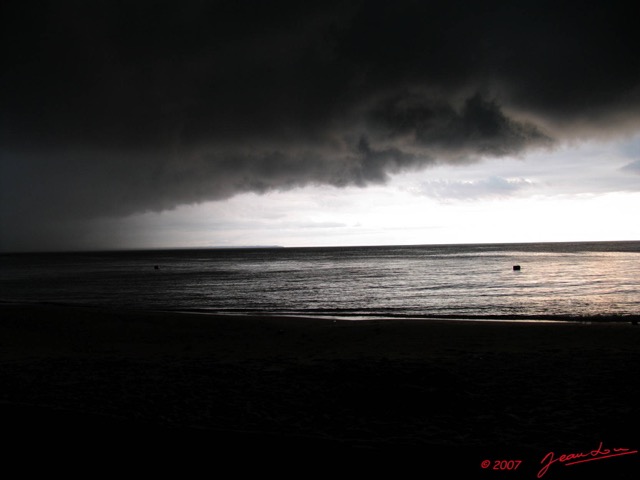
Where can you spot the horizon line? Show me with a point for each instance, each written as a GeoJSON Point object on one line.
{"type": "Point", "coordinates": [282, 247]}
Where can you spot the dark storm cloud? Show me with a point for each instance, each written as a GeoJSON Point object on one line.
{"type": "Point", "coordinates": [477, 128]}
{"type": "Point", "coordinates": [114, 107]}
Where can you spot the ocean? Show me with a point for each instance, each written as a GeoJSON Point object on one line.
{"type": "Point", "coordinates": [581, 281]}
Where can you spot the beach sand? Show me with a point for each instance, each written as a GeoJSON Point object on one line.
{"type": "Point", "coordinates": [156, 390]}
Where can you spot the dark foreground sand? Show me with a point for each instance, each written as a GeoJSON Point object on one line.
{"type": "Point", "coordinates": [90, 388]}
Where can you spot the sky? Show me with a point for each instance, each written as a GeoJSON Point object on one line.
{"type": "Point", "coordinates": [136, 124]}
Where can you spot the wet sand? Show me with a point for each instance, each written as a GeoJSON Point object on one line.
{"type": "Point", "coordinates": [175, 390]}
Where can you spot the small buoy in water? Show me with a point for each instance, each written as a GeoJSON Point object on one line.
{"type": "Point", "coordinates": [516, 268]}
{"type": "Point", "coordinates": [156, 267]}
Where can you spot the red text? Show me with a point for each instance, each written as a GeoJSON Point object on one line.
{"type": "Point", "coordinates": [581, 457]}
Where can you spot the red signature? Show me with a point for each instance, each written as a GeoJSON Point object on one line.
{"type": "Point", "coordinates": [581, 457]}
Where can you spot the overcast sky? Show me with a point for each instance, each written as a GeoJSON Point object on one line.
{"type": "Point", "coordinates": [132, 124]}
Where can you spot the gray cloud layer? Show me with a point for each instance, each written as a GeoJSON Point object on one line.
{"type": "Point", "coordinates": [112, 108]}
{"type": "Point", "coordinates": [492, 187]}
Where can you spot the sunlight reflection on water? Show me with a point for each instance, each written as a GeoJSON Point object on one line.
{"type": "Point", "coordinates": [555, 279]}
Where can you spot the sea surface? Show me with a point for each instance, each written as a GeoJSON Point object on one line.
{"type": "Point", "coordinates": [595, 280]}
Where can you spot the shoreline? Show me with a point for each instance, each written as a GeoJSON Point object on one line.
{"type": "Point", "coordinates": [497, 318]}
{"type": "Point", "coordinates": [596, 319]}
{"type": "Point", "coordinates": [262, 385]}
